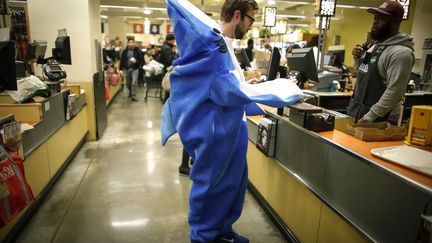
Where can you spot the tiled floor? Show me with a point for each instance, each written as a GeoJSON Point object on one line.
{"type": "Point", "coordinates": [126, 188]}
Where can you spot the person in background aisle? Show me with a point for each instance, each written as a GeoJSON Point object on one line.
{"type": "Point", "coordinates": [167, 55]}
{"type": "Point", "coordinates": [130, 62]}
{"type": "Point", "coordinates": [149, 55]}
{"type": "Point", "coordinates": [249, 50]}
{"type": "Point", "coordinates": [384, 69]}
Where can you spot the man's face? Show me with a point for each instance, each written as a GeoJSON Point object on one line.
{"type": "Point", "coordinates": [244, 25]}
{"type": "Point", "coordinates": [130, 44]}
{"type": "Point", "coordinates": [381, 26]}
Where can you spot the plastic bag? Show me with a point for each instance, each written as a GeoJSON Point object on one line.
{"type": "Point", "coordinates": [28, 87]}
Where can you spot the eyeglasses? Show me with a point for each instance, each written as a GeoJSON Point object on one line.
{"type": "Point", "coordinates": [251, 19]}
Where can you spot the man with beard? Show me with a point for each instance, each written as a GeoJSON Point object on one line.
{"type": "Point", "coordinates": [207, 106]}
{"type": "Point", "coordinates": [384, 69]}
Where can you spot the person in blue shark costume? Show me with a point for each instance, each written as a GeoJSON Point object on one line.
{"type": "Point", "coordinates": [207, 107]}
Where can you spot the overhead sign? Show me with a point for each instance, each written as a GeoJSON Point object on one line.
{"type": "Point", "coordinates": [326, 8]}
{"type": "Point", "coordinates": [406, 5]}
{"type": "Point", "coordinates": [270, 16]}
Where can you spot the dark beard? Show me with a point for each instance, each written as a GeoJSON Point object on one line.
{"type": "Point", "coordinates": [238, 32]}
{"type": "Point", "coordinates": [383, 33]}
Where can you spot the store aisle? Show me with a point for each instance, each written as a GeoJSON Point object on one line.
{"type": "Point", "coordinates": [126, 188]}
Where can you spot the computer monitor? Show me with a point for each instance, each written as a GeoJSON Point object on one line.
{"type": "Point", "coordinates": [329, 59]}
{"type": "Point", "coordinates": [274, 67]}
{"type": "Point", "coordinates": [7, 66]}
{"type": "Point", "coordinates": [303, 61]}
{"type": "Point", "coordinates": [242, 58]}
{"type": "Point", "coordinates": [36, 51]}
{"type": "Point", "coordinates": [62, 50]}
{"type": "Point", "coordinates": [339, 57]}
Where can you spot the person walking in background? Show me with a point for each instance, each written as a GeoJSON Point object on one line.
{"type": "Point", "coordinates": [249, 50]}
{"type": "Point", "coordinates": [167, 55]}
{"type": "Point", "coordinates": [130, 62]}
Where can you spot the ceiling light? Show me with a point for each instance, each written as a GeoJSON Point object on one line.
{"type": "Point", "coordinates": [104, 16]}
{"type": "Point", "coordinates": [345, 6]}
{"type": "Point", "coordinates": [157, 9]}
{"type": "Point", "coordinates": [291, 16]}
{"type": "Point", "coordinates": [271, 2]}
{"type": "Point", "coordinates": [147, 11]}
{"type": "Point", "coordinates": [115, 6]}
{"type": "Point", "coordinates": [134, 17]}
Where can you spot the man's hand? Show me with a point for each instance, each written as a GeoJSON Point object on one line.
{"type": "Point", "coordinates": [357, 52]}
{"type": "Point", "coordinates": [362, 120]}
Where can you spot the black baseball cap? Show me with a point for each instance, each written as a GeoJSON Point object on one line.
{"type": "Point", "coordinates": [169, 37]}
{"type": "Point", "coordinates": [390, 8]}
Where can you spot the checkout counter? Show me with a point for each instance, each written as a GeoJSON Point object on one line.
{"type": "Point", "coordinates": [59, 130]}
{"type": "Point", "coordinates": [328, 187]}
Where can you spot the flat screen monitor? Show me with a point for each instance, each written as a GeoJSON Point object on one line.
{"type": "Point", "coordinates": [303, 61]}
{"type": "Point", "coordinates": [274, 68]}
{"type": "Point", "coordinates": [7, 66]}
{"type": "Point", "coordinates": [36, 51]}
{"type": "Point", "coordinates": [329, 59]}
{"type": "Point", "coordinates": [62, 50]}
{"type": "Point", "coordinates": [338, 56]}
{"type": "Point", "coordinates": [242, 58]}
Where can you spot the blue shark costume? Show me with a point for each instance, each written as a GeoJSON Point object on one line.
{"type": "Point", "coordinates": [207, 107]}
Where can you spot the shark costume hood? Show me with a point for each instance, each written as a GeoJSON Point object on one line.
{"type": "Point", "coordinates": [207, 104]}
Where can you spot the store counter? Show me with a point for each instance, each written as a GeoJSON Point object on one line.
{"type": "Point", "coordinates": [48, 149]}
{"type": "Point", "coordinates": [327, 187]}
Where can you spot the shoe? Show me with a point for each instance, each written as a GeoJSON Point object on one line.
{"type": "Point", "coordinates": [134, 99]}
{"type": "Point", "coordinates": [231, 237]}
{"type": "Point", "coordinates": [184, 171]}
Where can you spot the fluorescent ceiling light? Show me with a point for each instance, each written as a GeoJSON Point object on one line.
{"type": "Point", "coordinates": [147, 11]}
{"type": "Point", "coordinates": [104, 16]}
{"type": "Point", "coordinates": [133, 17]}
{"type": "Point", "coordinates": [115, 6]}
{"type": "Point", "coordinates": [291, 16]}
{"type": "Point", "coordinates": [157, 9]}
{"type": "Point", "coordinates": [271, 2]}
{"type": "Point", "coordinates": [345, 6]}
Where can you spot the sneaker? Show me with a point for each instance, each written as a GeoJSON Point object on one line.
{"type": "Point", "coordinates": [134, 99]}
{"type": "Point", "coordinates": [231, 237]}
{"type": "Point", "coordinates": [184, 171]}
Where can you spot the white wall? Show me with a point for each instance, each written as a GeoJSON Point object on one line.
{"type": "Point", "coordinates": [421, 26]}
{"type": "Point", "coordinates": [116, 27]}
{"type": "Point", "coordinates": [78, 17]}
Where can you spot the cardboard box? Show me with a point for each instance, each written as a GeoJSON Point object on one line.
{"type": "Point", "coordinates": [377, 131]}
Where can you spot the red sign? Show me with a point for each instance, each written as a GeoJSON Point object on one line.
{"type": "Point", "coordinates": [138, 28]}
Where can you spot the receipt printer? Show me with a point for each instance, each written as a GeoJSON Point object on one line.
{"type": "Point", "coordinates": [311, 117]}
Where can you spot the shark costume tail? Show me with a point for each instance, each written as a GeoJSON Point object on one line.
{"type": "Point", "coordinates": [206, 108]}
